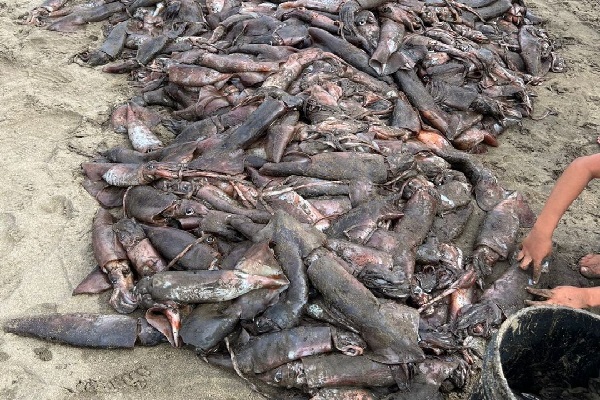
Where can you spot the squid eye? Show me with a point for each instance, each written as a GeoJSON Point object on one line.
{"type": "Point", "coordinates": [278, 376]}
{"type": "Point", "coordinates": [189, 211]}
{"type": "Point", "coordinates": [210, 240]}
{"type": "Point", "coordinates": [185, 186]}
{"type": "Point", "coordinates": [362, 22]}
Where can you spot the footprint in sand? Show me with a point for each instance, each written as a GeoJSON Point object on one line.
{"type": "Point", "coordinates": [10, 234]}
{"type": "Point", "coordinates": [60, 205]}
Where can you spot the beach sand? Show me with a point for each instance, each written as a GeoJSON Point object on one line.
{"type": "Point", "coordinates": [53, 117]}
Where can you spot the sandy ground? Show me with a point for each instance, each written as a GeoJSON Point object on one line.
{"type": "Point", "coordinates": [53, 117]}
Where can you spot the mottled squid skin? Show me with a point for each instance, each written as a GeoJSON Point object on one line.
{"type": "Point", "coordinates": [108, 196]}
{"type": "Point", "coordinates": [358, 224]}
{"type": "Point", "coordinates": [111, 47]}
{"type": "Point", "coordinates": [497, 236]}
{"type": "Point", "coordinates": [293, 241]}
{"type": "Point", "coordinates": [259, 259]}
{"type": "Point", "coordinates": [344, 394]}
{"type": "Point", "coordinates": [390, 40]}
{"type": "Point", "coordinates": [152, 206]}
{"type": "Point", "coordinates": [198, 130]}
{"type": "Point", "coordinates": [532, 50]}
{"type": "Point", "coordinates": [405, 116]}
{"type": "Point", "coordinates": [112, 259]}
{"type": "Point", "coordinates": [172, 242]}
{"type": "Point", "coordinates": [429, 376]}
{"type": "Point", "coordinates": [299, 208]}
{"type": "Point", "coordinates": [223, 202]}
{"type": "Point", "coordinates": [82, 16]}
{"type": "Point", "coordinates": [493, 9]}
{"type": "Point", "coordinates": [264, 51]}
{"type": "Point", "coordinates": [202, 286]}
{"type": "Point", "coordinates": [148, 49]}
{"type": "Point", "coordinates": [208, 324]}
{"type": "Point", "coordinates": [87, 330]}
{"type": "Point", "coordinates": [353, 55]}
{"type": "Point", "coordinates": [235, 63]}
{"type": "Point", "coordinates": [331, 166]}
{"type": "Point", "coordinates": [194, 75]}
{"type": "Point", "coordinates": [313, 18]}
{"type": "Point", "coordinates": [411, 230]}
{"type": "Point", "coordinates": [317, 309]}
{"type": "Point", "coordinates": [280, 134]}
{"type": "Point", "coordinates": [420, 98]}
{"type": "Point", "coordinates": [503, 298]}
{"type": "Point", "coordinates": [144, 257]}
{"type": "Point", "coordinates": [359, 255]}
{"type": "Point", "coordinates": [330, 6]}
{"type": "Point", "coordinates": [456, 97]}
{"type": "Point", "coordinates": [390, 329]}
{"type": "Point", "coordinates": [488, 191]}
{"type": "Point", "coordinates": [270, 350]}
{"type": "Point", "coordinates": [141, 137]}
{"type": "Point", "coordinates": [331, 371]}
{"type": "Point", "coordinates": [125, 175]}
{"type": "Point", "coordinates": [226, 157]}
{"type": "Point", "coordinates": [255, 126]}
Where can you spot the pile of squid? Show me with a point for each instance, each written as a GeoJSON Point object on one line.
{"type": "Point", "coordinates": [298, 178]}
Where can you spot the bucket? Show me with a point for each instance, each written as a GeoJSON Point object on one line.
{"type": "Point", "coordinates": [537, 348]}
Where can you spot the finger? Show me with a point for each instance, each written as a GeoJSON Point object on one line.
{"type": "Point", "coordinates": [535, 303]}
{"type": "Point", "coordinates": [525, 262]}
{"type": "Point", "coordinates": [547, 293]}
{"type": "Point", "coordinates": [520, 255]}
{"type": "Point", "coordinates": [537, 271]}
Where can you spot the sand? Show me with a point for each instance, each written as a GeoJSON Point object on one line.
{"type": "Point", "coordinates": [53, 116]}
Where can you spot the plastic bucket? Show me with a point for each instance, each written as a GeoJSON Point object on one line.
{"type": "Point", "coordinates": [537, 347]}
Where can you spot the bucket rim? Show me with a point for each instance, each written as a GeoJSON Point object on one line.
{"type": "Point", "coordinates": [508, 322]}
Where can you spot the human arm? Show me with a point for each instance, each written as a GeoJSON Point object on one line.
{"type": "Point", "coordinates": [538, 243]}
{"type": "Point", "coordinates": [568, 296]}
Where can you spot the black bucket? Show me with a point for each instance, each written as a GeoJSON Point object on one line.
{"type": "Point", "coordinates": [537, 347]}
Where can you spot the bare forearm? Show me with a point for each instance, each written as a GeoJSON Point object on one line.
{"type": "Point", "coordinates": [570, 184]}
{"type": "Point", "coordinates": [592, 296]}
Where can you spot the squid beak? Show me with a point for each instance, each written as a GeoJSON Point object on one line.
{"type": "Point", "coordinates": [167, 320]}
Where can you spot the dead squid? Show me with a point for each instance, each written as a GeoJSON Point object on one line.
{"type": "Point", "coordinates": [503, 298]}
{"type": "Point", "coordinates": [152, 206]}
{"type": "Point", "coordinates": [293, 242]}
{"type": "Point", "coordinates": [270, 350]}
{"type": "Point", "coordinates": [389, 328]}
{"type": "Point", "coordinates": [111, 48]}
{"type": "Point", "coordinates": [183, 249]}
{"type": "Point", "coordinates": [141, 137]}
{"type": "Point", "coordinates": [112, 259]}
{"type": "Point", "coordinates": [201, 286]}
{"type": "Point", "coordinates": [332, 166]}
{"type": "Point", "coordinates": [87, 330]}
{"type": "Point", "coordinates": [144, 257]}
{"type": "Point", "coordinates": [498, 233]}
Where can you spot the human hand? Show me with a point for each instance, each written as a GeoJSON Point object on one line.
{"type": "Point", "coordinates": [569, 296]}
{"type": "Point", "coordinates": [534, 248]}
